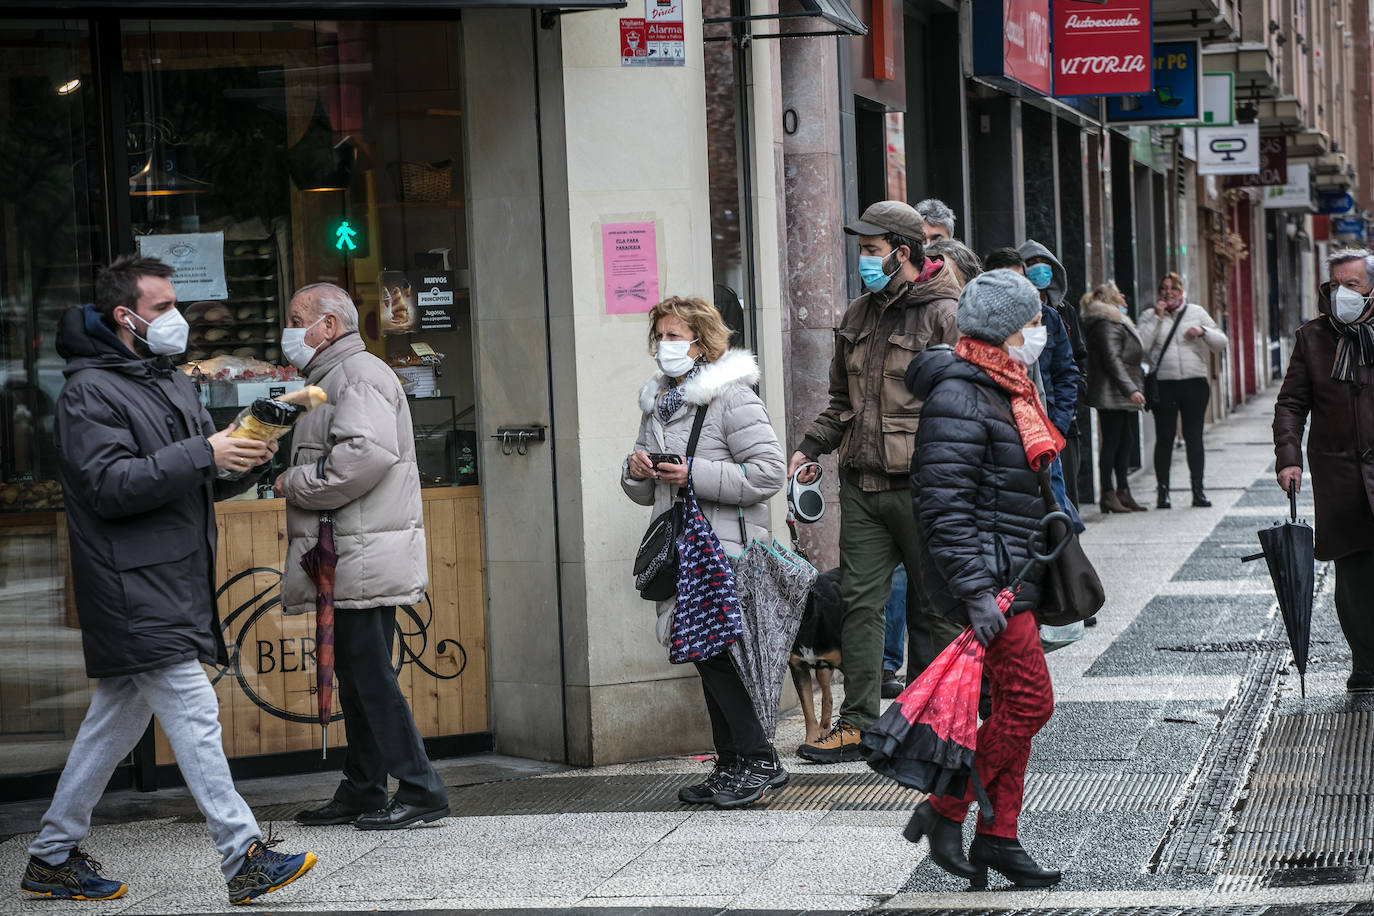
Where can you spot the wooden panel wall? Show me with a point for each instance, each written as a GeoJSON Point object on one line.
{"type": "Point", "coordinates": [441, 646]}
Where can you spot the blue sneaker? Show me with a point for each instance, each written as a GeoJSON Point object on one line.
{"type": "Point", "coordinates": [77, 878]}
{"type": "Point", "coordinates": [264, 871]}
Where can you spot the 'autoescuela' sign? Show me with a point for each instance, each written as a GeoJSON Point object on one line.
{"type": "Point", "coordinates": [1102, 48]}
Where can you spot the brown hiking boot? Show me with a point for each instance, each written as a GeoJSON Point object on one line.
{"type": "Point", "coordinates": [839, 745]}
{"type": "Point", "coordinates": [1127, 500]}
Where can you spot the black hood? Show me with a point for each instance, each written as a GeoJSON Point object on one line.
{"type": "Point", "coordinates": [86, 342]}
{"type": "Point", "coordinates": [934, 365]}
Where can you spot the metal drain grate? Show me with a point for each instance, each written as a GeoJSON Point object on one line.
{"type": "Point", "coordinates": [1243, 645]}
{"type": "Point", "coordinates": [586, 794]}
{"type": "Point", "coordinates": [805, 792]}
{"type": "Point", "coordinates": [1310, 806]}
{"type": "Point", "coordinates": [1252, 910]}
{"type": "Point", "coordinates": [1197, 832]}
{"type": "Point", "coordinates": [1101, 791]}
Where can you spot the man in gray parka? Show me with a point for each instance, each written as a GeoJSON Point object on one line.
{"type": "Point", "coordinates": [354, 458]}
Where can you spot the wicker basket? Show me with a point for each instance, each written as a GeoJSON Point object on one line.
{"type": "Point", "coordinates": [424, 180]}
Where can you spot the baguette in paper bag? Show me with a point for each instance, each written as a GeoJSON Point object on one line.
{"type": "Point", "coordinates": [267, 419]}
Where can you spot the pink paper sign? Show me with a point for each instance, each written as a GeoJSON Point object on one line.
{"type": "Point", "coordinates": [629, 258]}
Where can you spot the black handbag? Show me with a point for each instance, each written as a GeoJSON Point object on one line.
{"type": "Point", "coordinates": [1151, 391]}
{"type": "Point", "coordinates": [655, 568]}
{"type": "Point", "coordinates": [1071, 589]}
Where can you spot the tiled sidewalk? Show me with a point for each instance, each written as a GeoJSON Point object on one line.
{"type": "Point", "coordinates": [1159, 685]}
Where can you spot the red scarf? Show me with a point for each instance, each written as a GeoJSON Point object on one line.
{"type": "Point", "coordinates": [1039, 437]}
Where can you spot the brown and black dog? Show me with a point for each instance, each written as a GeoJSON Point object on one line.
{"type": "Point", "coordinates": [817, 648]}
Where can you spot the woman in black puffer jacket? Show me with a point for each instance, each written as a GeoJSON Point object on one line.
{"type": "Point", "coordinates": [982, 437]}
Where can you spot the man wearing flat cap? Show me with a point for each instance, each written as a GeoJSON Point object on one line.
{"type": "Point", "coordinates": [909, 304]}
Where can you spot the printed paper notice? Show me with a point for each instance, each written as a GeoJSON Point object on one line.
{"type": "Point", "coordinates": [629, 257]}
{"type": "Point", "coordinates": [197, 258]}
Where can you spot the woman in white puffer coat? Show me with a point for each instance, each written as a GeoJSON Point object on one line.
{"type": "Point", "coordinates": [738, 465]}
{"type": "Point", "coordinates": [1184, 387]}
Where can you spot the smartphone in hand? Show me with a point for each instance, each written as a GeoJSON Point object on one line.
{"type": "Point", "coordinates": [657, 458]}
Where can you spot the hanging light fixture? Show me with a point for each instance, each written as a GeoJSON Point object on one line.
{"type": "Point", "coordinates": [316, 162]}
{"type": "Point", "coordinates": [160, 176]}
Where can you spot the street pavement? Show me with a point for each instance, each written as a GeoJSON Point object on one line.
{"type": "Point", "coordinates": [1182, 772]}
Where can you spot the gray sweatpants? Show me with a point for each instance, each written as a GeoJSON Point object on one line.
{"type": "Point", "coordinates": [185, 704]}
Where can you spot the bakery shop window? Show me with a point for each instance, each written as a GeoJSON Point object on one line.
{"type": "Point", "coordinates": [47, 240]}
{"type": "Point", "coordinates": [265, 156]}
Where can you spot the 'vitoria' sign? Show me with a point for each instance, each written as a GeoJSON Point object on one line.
{"type": "Point", "coordinates": [1102, 47]}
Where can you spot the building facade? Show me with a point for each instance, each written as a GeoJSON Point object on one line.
{"type": "Point", "coordinates": [506, 191]}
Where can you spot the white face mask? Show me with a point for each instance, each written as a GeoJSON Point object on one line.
{"type": "Point", "coordinates": [1034, 344]}
{"type": "Point", "coordinates": [1348, 304]}
{"type": "Point", "coordinates": [294, 348]}
{"type": "Point", "coordinates": [672, 357]}
{"type": "Point", "coordinates": [167, 333]}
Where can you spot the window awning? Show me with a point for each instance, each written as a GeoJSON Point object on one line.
{"type": "Point", "coordinates": [838, 14]}
{"type": "Point", "coordinates": [833, 12]}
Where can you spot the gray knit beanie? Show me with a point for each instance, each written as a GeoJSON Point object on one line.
{"type": "Point", "coordinates": [995, 305]}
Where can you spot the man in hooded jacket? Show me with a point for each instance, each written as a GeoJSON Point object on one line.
{"type": "Point", "coordinates": [1328, 378]}
{"type": "Point", "coordinates": [141, 464]}
{"type": "Point", "coordinates": [1066, 340]}
{"type": "Point", "coordinates": [871, 421]}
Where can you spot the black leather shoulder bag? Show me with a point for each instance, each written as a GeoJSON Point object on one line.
{"type": "Point", "coordinates": [655, 568]}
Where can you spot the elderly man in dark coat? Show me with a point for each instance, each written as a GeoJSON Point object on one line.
{"type": "Point", "coordinates": [141, 465]}
{"type": "Point", "coordinates": [1331, 377]}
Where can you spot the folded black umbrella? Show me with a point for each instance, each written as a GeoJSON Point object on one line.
{"type": "Point", "coordinates": [1289, 549]}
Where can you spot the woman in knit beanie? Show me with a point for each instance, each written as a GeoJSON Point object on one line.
{"type": "Point", "coordinates": [982, 445]}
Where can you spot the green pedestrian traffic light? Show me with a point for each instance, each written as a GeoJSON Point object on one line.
{"type": "Point", "coordinates": [344, 237]}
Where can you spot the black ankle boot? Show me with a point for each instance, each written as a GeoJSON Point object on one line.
{"type": "Point", "coordinates": [946, 840]}
{"type": "Point", "coordinates": [1200, 499]}
{"type": "Point", "coordinates": [1162, 501]}
{"type": "Point", "coordinates": [1006, 857]}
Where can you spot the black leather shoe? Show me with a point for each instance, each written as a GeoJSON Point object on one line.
{"type": "Point", "coordinates": [892, 685]}
{"type": "Point", "coordinates": [398, 814]}
{"type": "Point", "coordinates": [946, 840]}
{"type": "Point", "coordinates": [1006, 857]}
{"type": "Point", "coordinates": [334, 812]}
{"type": "Point", "coordinates": [1162, 498]}
{"type": "Point", "coordinates": [1200, 500]}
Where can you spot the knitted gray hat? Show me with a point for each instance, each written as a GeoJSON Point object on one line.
{"type": "Point", "coordinates": [995, 305]}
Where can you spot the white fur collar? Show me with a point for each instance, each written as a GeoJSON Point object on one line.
{"type": "Point", "coordinates": [735, 367]}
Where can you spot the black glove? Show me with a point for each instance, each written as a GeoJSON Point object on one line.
{"type": "Point", "coordinates": [985, 618]}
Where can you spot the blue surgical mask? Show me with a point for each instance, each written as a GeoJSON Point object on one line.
{"type": "Point", "coordinates": [1125, 311]}
{"type": "Point", "coordinates": [871, 271]}
{"type": "Point", "coordinates": [1040, 275]}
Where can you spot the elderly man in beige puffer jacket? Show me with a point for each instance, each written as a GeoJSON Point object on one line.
{"type": "Point", "coordinates": [354, 457]}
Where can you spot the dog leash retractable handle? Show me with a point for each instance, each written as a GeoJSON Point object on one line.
{"type": "Point", "coordinates": [804, 500]}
